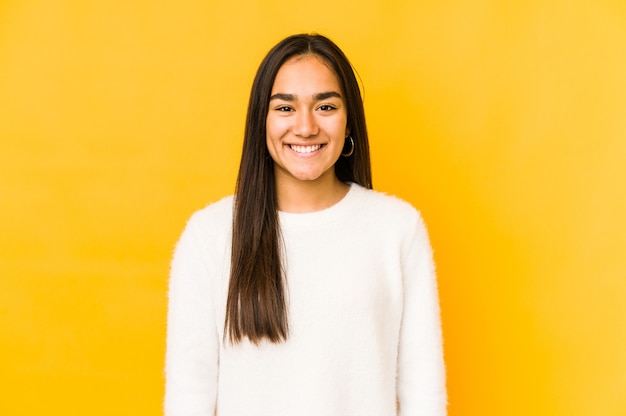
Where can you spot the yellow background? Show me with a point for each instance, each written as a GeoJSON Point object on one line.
{"type": "Point", "coordinates": [503, 121]}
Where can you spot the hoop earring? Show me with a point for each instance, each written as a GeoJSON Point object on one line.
{"type": "Point", "coordinates": [351, 149]}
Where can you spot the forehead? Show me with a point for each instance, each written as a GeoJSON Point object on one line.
{"type": "Point", "coordinates": [306, 72]}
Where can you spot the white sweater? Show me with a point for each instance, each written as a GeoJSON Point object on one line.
{"type": "Point", "coordinates": [363, 318]}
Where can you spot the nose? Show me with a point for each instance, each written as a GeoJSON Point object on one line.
{"type": "Point", "coordinates": [305, 124]}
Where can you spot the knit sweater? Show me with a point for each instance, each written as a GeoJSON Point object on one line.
{"type": "Point", "coordinates": [364, 325]}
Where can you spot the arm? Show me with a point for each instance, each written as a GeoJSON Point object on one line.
{"type": "Point", "coordinates": [192, 341]}
{"type": "Point", "coordinates": [421, 374]}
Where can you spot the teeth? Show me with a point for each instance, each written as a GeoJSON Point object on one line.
{"type": "Point", "coordinates": [305, 149]}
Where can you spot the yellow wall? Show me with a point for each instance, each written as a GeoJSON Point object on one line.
{"type": "Point", "coordinates": [505, 122]}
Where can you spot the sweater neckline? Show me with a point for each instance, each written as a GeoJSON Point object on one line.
{"type": "Point", "coordinates": [315, 218]}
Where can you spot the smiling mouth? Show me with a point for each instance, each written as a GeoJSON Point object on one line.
{"type": "Point", "coordinates": [305, 149]}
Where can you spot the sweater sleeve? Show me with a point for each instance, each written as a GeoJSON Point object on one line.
{"type": "Point", "coordinates": [191, 364]}
{"type": "Point", "coordinates": [421, 374]}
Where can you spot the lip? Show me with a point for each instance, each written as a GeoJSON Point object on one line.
{"type": "Point", "coordinates": [305, 149]}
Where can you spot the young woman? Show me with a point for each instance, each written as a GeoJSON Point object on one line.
{"type": "Point", "coordinates": [307, 293]}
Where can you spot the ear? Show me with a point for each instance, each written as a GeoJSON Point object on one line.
{"type": "Point", "coordinates": [347, 131]}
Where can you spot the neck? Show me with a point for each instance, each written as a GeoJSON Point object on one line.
{"type": "Point", "coordinates": [309, 196]}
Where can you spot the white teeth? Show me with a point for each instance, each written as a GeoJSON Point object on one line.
{"type": "Point", "coordinates": [305, 149]}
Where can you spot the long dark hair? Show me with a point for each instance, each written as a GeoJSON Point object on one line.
{"type": "Point", "coordinates": [256, 305]}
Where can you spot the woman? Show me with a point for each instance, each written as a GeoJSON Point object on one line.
{"type": "Point", "coordinates": [307, 293]}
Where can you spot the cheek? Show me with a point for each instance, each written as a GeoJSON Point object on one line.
{"type": "Point", "coordinates": [274, 127]}
{"type": "Point", "coordinates": [270, 145]}
{"type": "Point", "coordinates": [339, 127]}
{"type": "Point", "coordinates": [273, 135]}
{"type": "Point", "coordinates": [268, 126]}
{"type": "Point", "coordinates": [341, 123]}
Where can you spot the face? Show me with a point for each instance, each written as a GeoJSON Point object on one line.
{"type": "Point", "coordinates": [306, 121]}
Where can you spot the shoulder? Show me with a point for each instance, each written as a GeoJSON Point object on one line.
{"type": "Point", "coordinates": [382, 205]}
{"type": "Point", "coordinates": [216, 216]}
{"type": "Point", "coordinates": [390, 216]}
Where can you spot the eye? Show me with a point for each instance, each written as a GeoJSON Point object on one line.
{"type": "Point", "coordinates": [326, 107]}
{"type": "Point", "coordinates": [283, 108]}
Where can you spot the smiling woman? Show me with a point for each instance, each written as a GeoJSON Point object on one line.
{"type": "Point", "coordinates": [307, 293]}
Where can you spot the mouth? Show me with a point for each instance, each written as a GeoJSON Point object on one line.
{"type": "Point", "coordinates": [305, 149]}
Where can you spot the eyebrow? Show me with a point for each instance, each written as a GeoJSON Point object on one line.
{"type": "Point", "coordinates": [292, 97]}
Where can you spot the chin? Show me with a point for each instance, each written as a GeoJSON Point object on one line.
{"type": "Point", "coordinates": [307, 175]}
{"type": "Point", "coordinates": [307, 178]}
